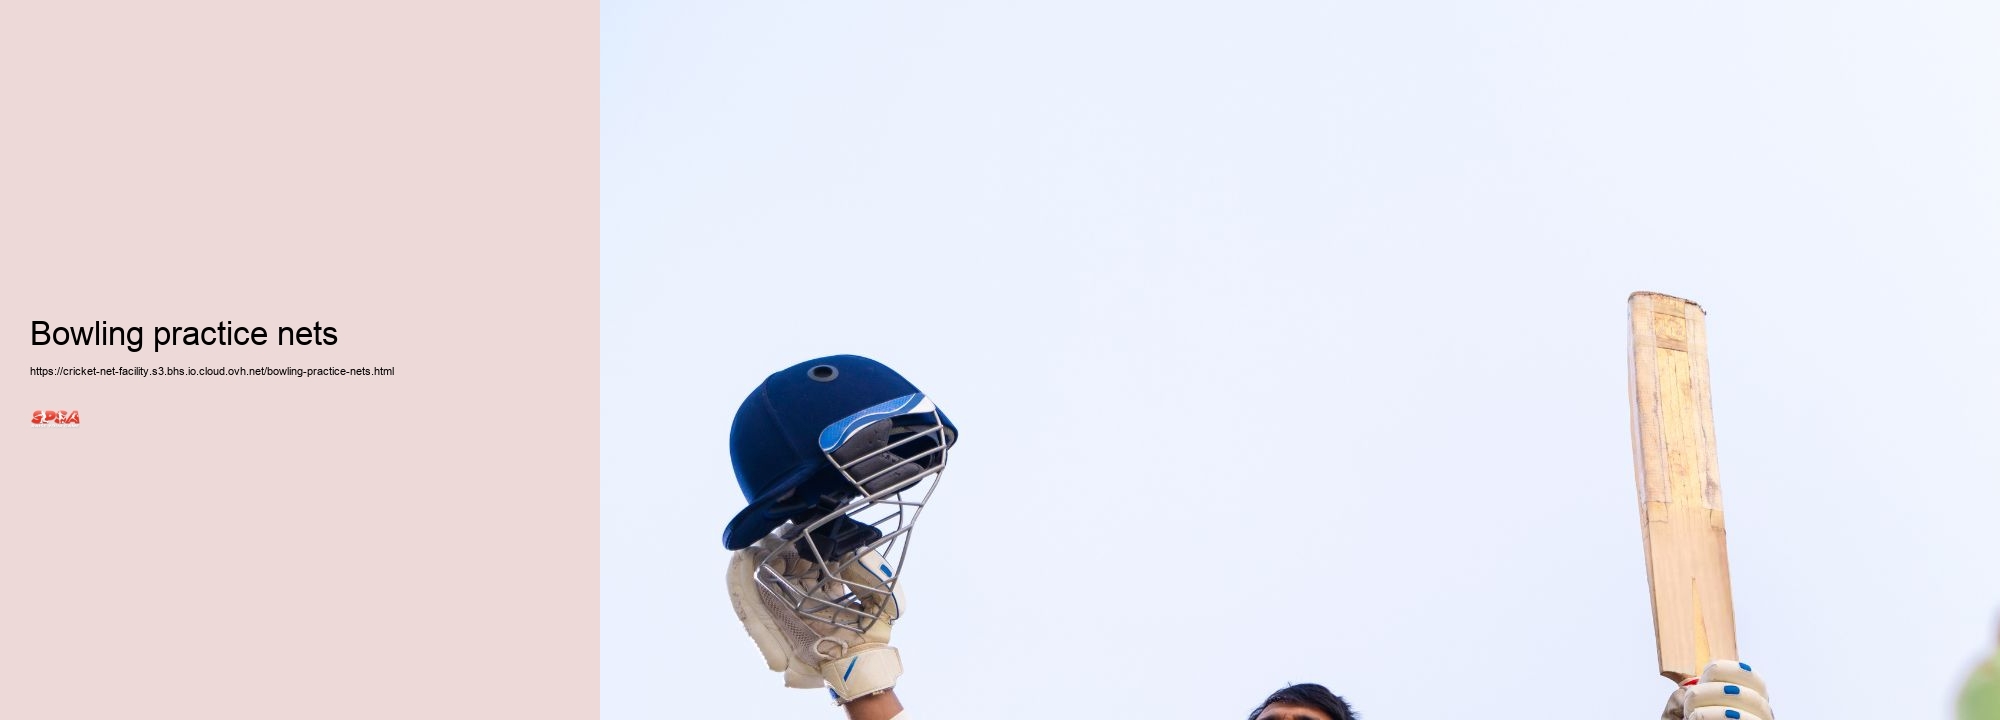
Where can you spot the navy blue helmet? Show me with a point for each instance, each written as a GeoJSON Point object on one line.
{"type": "Point", "coordinates": [815, 437]}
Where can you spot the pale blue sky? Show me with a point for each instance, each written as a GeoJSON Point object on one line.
{"type": "Point", "coordinates": [1287, 339]}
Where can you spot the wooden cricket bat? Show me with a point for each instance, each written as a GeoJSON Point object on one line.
{"type": "Point", "coordinates": [1680, 488]}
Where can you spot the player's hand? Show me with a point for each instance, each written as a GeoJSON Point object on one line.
{"type": "Point", "coordinates": [808, 651]}
{"type": "Point", "coordinates": [1726, 690]}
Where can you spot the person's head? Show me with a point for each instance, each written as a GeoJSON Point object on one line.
{"type": "Point", "coordinates": [1305, 701]}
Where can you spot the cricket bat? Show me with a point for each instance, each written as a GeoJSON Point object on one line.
{"type": "Point", "coordinates": [1680, 488]}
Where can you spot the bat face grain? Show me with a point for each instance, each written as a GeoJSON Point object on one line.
{"type": "Point", "coordinates": [1680, 487]}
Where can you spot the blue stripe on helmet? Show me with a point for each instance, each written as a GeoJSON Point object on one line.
{"type": "Point", "coordinates": [838, 433]}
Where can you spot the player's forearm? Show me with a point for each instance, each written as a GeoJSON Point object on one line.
{"type": "Point", "coordinates": [883, 706]}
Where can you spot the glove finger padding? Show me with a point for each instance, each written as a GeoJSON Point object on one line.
{"type": "Point", "coordinates": [1730, 684]}
{"type": "Point", "coordinates": [749, 602]}
{"type": "Point", "coordinates": [777, 631]}
{"type": "Point", "coordinates": [1727, 695]}
{"type": "Point", "coordinates": [867, 579]}
{"type": "Point", "coordinates": [1726, 690]}
{"type": "Point", "coordinates": [800, 635]}
{"type": "Point", "coordinates": [1734, 672]}
{"type": "Point", "coordinates": [1716, 713]}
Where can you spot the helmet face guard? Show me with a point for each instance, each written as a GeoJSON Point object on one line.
{"type": "Point", "coordinates": [838, 561]}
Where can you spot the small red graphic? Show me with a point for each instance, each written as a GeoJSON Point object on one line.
{"type": "Point", "coordinates": [56, 417]}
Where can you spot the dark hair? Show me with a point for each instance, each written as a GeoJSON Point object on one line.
{"type": "Point", "coordinates": [1310, 695]}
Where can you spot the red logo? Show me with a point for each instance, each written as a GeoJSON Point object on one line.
{"type": "Point", "coordinates": [56, 417]}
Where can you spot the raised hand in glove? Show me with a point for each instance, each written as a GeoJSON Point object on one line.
{"type": "Point", "coordinates": [1726, 690]}
{"type": "Point", "coordinates": [810, 651]}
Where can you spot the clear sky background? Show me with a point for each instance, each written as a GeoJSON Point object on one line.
{"type": "Point", "coordinates": [1287, 339]}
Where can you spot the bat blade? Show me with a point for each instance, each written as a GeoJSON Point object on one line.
{"type": "Point", "coordinates": [1680, 487]}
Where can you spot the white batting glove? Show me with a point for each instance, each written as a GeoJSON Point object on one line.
{"type": "Point", "coordinates": [1726, 690]}
{"type": "Point", "coordinates": [812, 653]}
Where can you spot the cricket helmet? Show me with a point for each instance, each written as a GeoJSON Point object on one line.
{"type": "Point", "coordinates": [836, 457]}
{"type": "Point", "coordinates": [800, 441]}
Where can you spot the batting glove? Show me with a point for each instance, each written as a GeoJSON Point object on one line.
{"type": "Point", "coordinates": [809, 652]}
{"type": "Point", "coordinates": [1726, 690]}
